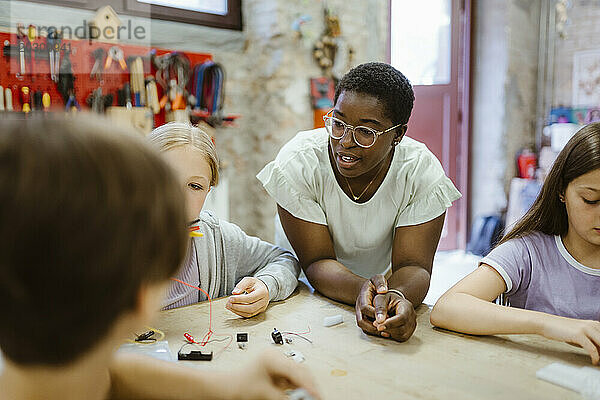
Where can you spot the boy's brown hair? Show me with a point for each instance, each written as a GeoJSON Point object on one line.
{"type": "Point", "coordinates": [87, 217]}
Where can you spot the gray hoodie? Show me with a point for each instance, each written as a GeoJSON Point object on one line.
{"type": "Point", "coordinates": [224, 255]}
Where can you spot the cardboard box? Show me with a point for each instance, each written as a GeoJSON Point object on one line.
{"type": "Point", "coordinates": [139, 118]}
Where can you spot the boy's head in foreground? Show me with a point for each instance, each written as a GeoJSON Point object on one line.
{"type": "Point", "coordinates": [92, 226]}
{"type": "Point", "coordinates": [192, 155]}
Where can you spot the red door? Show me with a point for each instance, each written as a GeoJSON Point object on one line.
{"type": "Point", "coordinates": [430, 44]}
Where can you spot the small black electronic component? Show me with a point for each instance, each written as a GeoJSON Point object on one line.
{"type": "Point", "coordinates": [276, 335]}
{"type": "Point", "coordinates": [195, 355]}
{"type": "Point", "coordinates": [146, 336]}
{"type": "Point", "coordinates": [242, 340]}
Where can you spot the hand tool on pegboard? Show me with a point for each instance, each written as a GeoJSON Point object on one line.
{"type": "Point", "coordinates": [24, 50]}
{"type": "Point", "coordinates": [115, 53]}
{"type": "Point", "coordinates": [8, 104]}
{"type": "Point", "coordinates": [80, 54]}
{"type": "Point", "coordinates": [172, 74]}
{"type": "Point", "coordinates": [25, 99]}
{"type": "Point", "coordinates": [53, 43]}
{"type": "Point", "coordinates": [66, 83]}
{"type": "Point", "coordinates": [98, 102]}
{"type": "Point", "coordinates": [99, 54]}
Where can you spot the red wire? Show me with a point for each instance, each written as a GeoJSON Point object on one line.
{"type": "Point", "coordinates": [225, 348]}
{"type": "Point", "coordinates": [210, 332]}
{"type": "Point", "coordinates": [208, 335]}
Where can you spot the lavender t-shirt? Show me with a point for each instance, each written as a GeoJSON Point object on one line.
{"type": "Point", "coordinates": [541, 275]}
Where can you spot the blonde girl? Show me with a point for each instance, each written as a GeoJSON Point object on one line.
{"type": "Point", "coordinates": [224, 260]}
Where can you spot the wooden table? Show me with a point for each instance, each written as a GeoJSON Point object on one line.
{"type": "Point", "coordinates": [348, 364]}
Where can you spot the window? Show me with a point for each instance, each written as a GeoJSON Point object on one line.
{"type": "Point", "coordinates": [226, 14]}
{"type": "Point", "coordinates": [218, 7]}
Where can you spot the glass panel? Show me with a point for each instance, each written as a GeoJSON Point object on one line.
{"type": "Point", "coordinates": [420, 40]}
{"type": "Point", "coordinates": [206, 6]}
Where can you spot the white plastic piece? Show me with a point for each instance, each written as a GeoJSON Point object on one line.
{"type": "Point", "coordinates": [591, 383]}
{"type": "Point", "coordinates": [1, 98]}
{"type": "Point", "coordinates": [333, 320]}
{"type": "Point", "coordinates": [584, 380]}
{"type": "Point", "coordinates": [560, 134]}
{"type": "Point", "coordinates": [242, 345]}
{"type": "Point", "coordinates": [295, 355]}
{"type": "Point", "coordinates": [298, 394]}
{"type": "Point", "coordinates": [158, 349]}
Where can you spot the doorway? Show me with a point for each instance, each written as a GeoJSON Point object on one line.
{"type": "Point", "coordinates": [430, 43]}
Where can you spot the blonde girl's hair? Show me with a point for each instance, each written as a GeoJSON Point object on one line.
{"type": "Point", "coordinates": [176, 134]}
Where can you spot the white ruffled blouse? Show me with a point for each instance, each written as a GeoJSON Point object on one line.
{"type": "Point", "coordinates": [415, 190]}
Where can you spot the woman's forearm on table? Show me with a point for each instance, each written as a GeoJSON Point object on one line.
{"type": "Point", "coordinates": [412, 281]}
{"type": "Point", "coordinates": [334, 280]}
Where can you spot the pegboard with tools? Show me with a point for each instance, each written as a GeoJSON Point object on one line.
{"type": "Point", "coordinates": [68, 72]}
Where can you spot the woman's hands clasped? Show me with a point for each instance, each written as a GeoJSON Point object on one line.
{"type": "Point", "coordinates": [383, 313]}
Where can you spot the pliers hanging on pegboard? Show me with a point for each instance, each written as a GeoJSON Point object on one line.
{"type": "Point", "coordinates": [115, 53]}
{"type": "Point", "coordinates": [72, 103]}
{"type": "Point", "coordinates": [66, 83]}
{"type": "Point", "coordinates": [98, 55]}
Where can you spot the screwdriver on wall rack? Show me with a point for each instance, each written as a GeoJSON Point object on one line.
{"type": "Point", "coordinates": [26, 99]}
{"type": "Point", "coordinates": [8, 99]}
{"type": "Point", "coordinates": [46, 101]}
{"type": "Point", "coordinates": [53, 44]}
{"type": "Point", "coordinates": [21, 36]}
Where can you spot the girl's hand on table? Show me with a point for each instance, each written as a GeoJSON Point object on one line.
{"type": "Point", "coordinates": [577, 332]}
{"type": "Point", "coordinates": [249, 297]}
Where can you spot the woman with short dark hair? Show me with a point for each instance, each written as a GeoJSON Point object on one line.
{"type": "Point", "coordinates": [358, 196]}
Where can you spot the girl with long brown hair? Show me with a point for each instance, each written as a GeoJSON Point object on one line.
{"type": "Point", "coordinates": [548, 265]}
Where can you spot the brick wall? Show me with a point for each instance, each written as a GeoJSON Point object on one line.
{"type": "Point", "coordinates": [582, 31]}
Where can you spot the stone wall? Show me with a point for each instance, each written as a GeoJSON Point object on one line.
{"type": "Point", "coordinates": [521, 80]}
{"type": "Point", "coordinates": [581, 33]}
{"type": "Point", "coordinates": [503, 106]}
{"type": "Point", "coordinates": [268, 70]}
{"type": "Point", "coordinates": [268, 82]}
{"type": "Point", "coordinates": [488, 108]}
{"type": "Point", "coordinates": [267, 77]}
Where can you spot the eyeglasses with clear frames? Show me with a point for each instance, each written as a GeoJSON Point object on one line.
{"type": "Point", "coordinates": [363, 135]}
